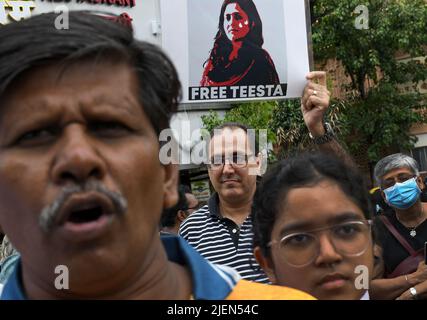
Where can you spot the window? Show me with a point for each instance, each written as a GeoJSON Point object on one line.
{"type": "Point", "coordinates": [420, 154]}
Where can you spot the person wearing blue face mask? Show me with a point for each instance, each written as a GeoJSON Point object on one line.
{"type": "Point", "coordinates": [402, 230]}
{"type": "Point", "coordinates": [403, 195]}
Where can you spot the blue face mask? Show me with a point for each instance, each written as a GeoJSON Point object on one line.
{"type": "Point", "coordinates": [403, 195]}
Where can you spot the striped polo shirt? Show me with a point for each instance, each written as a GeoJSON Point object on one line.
{"type": "Point", "coordinates": [222, 241]}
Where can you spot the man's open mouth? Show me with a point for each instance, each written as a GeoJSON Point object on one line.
{"type": "Point", "coordinates": [86, 215]}
{"type": "Point", "coordinates": [85, 208]}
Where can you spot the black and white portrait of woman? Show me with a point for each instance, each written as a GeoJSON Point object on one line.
{"type": "Point", "coordinates": [237, 56]}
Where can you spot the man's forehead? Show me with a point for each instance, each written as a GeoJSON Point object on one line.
{"type": "Point", "coordinates": [229, 140]}
{"type": "Point", "coordinates": [54, 74]}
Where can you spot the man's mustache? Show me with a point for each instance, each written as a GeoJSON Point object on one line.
{"type": "Point", "coordinates": [232, 177]}
{"type": "Point", "coordinates": [49, 214]}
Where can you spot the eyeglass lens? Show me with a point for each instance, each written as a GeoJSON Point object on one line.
{"type": "Point", "coordinates": [348, 239]}
{"type": "Point", "coordinates": [237, 159]}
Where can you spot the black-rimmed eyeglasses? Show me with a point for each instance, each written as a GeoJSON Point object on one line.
{"type": "Point", "coordinates": [237, 160]}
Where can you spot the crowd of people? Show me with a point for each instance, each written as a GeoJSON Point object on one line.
{"type": "Point", "coordinates": [82, 186]}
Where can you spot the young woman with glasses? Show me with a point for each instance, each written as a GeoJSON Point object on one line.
{"type": "Point", "coordinates": [313, 229]}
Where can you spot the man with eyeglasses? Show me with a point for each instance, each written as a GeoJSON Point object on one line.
{"type": "Point", "coordinates": [222, 231]}
{"type": "Point", "coordinates": [402, 231]}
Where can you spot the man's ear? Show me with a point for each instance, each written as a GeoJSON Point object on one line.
{"type": "Point", "coordinates": [266, 264]}
{"type": "Point", "coordinates": [262, 163]}
{"type": "Point", "coordinates": [256, 165]}
{"type": "Point", "coordinates": [170, 186]}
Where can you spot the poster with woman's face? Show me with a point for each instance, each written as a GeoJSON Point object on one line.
{"type": "Point", "coordinates": [237, 50]}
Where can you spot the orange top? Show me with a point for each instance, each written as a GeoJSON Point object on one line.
{"type": "Point", "coordinates": [247, 290]}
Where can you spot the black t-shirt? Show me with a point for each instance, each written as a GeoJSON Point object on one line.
{"type": "Point", "coordinates": [393, 252]}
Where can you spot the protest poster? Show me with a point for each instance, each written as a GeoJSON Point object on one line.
{"type": "Point", "coordinates": [237, 50]}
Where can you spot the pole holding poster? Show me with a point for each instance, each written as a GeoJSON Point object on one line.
{"type": "Point", "coordinates": [238, 50]}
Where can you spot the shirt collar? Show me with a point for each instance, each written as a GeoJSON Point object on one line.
{"type": "Point", "coordinates": [13, 289]}
{"type": "Point", "coordinates": [213, 206]}
{"type": "Point", "coordinates": [210, 282]}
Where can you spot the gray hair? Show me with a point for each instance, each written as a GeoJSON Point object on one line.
{"type": "Point", "coordinates": [395, 161]}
